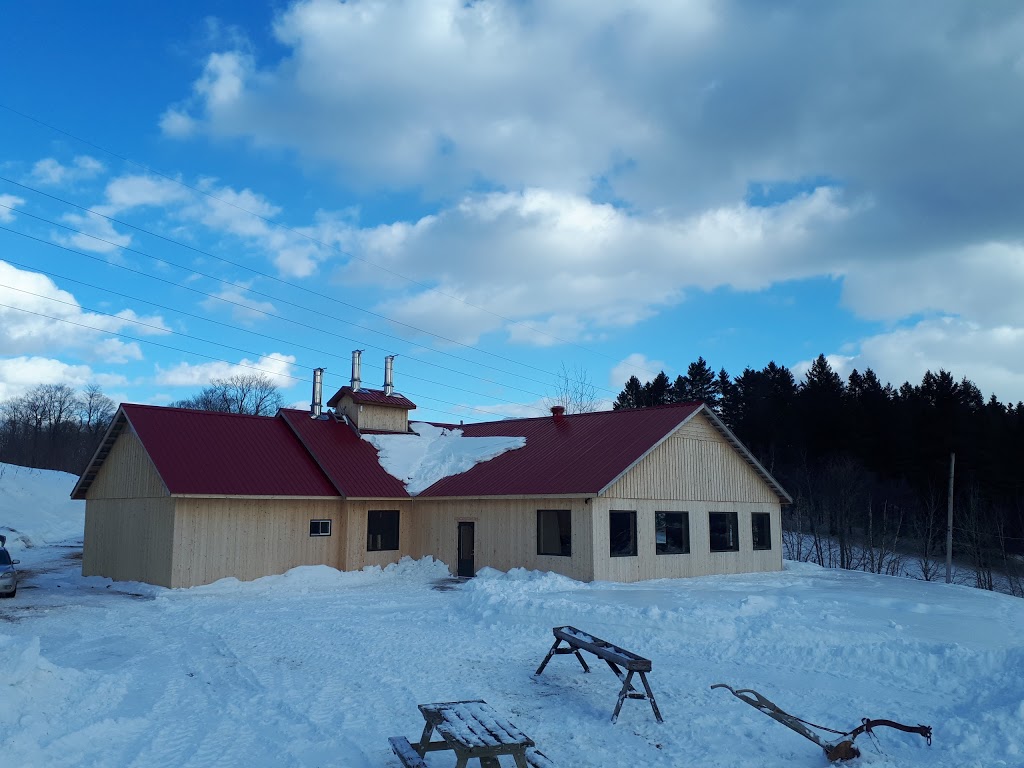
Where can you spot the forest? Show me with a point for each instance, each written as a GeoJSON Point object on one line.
{"type": "Point", "coordinates": [868, 465]}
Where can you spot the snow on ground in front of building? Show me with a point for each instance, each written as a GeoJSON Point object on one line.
{"type": "Point", "coordinates": [318, 668]}
{"type": "Point", "coordinates": [433, 453]}
{"type": "Point", "coordinates": [36, 507]}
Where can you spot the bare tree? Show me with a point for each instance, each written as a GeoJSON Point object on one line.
{"type": "Point", "coordinates": [251, 393]}
{"type": "Point", "coordinates": [575, 391]}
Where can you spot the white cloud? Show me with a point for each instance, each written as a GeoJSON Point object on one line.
{"type": "Point", "coordinates": [177, 124]}
{"type": "Point", "coordinates": [992, 357]}
{"type": "Point", "coordinates": [38, 318]}
{"type": "Point", "coordinates": [569, 267]}
{"type": "Point", "coordinates": [8, 203]}
{"type": "Point", "coordinates": [20, 374]}
{"type": "Point", "coordinates": [638, 365]}
{"type": "Point", "coordinates": [50, 172]}
{"type": "Point", "coordinates": [132, 191]}
{"type": "Point", "coordinates": [244, 308]}
{"type": "Point", "coordinates": [95, 234]}
{"type": "Point", "coordinates": [276, 366]}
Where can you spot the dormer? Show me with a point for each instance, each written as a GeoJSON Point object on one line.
{"type": "Point", "coordinates": [373, 410]}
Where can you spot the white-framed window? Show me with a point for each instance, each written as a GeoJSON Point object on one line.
{"type": "Point", "coordinates": [319, 527]}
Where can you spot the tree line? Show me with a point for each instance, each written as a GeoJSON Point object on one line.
{"type": "Point", "coordinates": [868, 464]}
{"type": "Point", "coordinates": [54, 427]}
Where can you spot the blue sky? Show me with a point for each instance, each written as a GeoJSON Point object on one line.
{"type": "Point", "coordinates": [495, 190]}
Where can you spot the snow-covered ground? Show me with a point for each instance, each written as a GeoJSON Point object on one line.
{"type": "Point", "coordinates": [319, 668]}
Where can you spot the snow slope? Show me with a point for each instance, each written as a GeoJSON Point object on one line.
{"type": "Point", "coordinates": [36, 508]}
{"type": "Point", "coordinates": [318, 668]}
{"type": "Point", "coordinates": [433, 453]}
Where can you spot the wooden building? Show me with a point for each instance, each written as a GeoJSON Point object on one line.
{"type": "Point", "coordinates": [179, 497]}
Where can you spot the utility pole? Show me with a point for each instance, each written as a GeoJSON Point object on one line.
{"type": "Point", "coordinates": [949, 522]}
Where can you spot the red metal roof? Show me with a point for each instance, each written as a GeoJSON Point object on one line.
{"type": "Point", "coordinates": [208, 453]}
{"type": "Point", "coordinates": [581, 453]}
{"type": "Point", "coordinates": [371, 396]}
{"type": "Point", "coordinates": [348, 460]}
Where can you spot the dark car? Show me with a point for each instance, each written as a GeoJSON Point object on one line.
{"type": "Point", "coordinates": [8, 573]}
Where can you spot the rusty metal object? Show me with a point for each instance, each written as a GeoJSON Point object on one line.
{"type": "Point", "coordinates": [835, 751]}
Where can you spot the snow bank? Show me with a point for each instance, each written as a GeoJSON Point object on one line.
{"type": "Point", "coordinates": [433, 453]}
{"type": "Point", "coordinates": [36, 508]}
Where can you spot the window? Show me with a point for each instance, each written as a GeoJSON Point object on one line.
{"type": "Point", "coordinates": [554, 532]}
{"type": "Point", "coordinates": [761, 527]}
{"type": "Point", "coordinates": [319, 527]}
{"type": "Point", "coordinates": [672, 533]}
{"type": "Point", "coordinates": [725, 531]}
{"type": "Point", "coordinates": [622, 533]}
{"type": "Point", "coordinates": [381, 530]}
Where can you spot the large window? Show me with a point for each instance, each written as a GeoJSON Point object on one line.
{"type": "Point", "coordinates": [761, 527]}
{"type": "Point", "coordinates": [672, 533]}
{"type": "Point", "coordinates": [319, 527]}
{"type": "Point", "coordinates": [554, 532]}
{"type": "Point", "coordinates": [622, 533]}
{"type": "Point", "coordinates": [725, 531]}
{"type": "Point", "coordinates": [381, 530]}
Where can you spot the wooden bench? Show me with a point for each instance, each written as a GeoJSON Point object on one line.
{"type": "Point", "coordinates": [409, 757]}
{"type": "Point", "coordinates": [615, 657]}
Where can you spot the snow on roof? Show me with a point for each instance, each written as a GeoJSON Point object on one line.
{"type": "Point", "coordinates": [430, 453]}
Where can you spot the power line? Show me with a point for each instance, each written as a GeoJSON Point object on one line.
{"type": "Point", "coordinates": [233, 348]}
{"type": "Point", "coordinates": [227, 362]}
{"type": "Point", "coordinates": [257, 333]}
{"type": "Point", "coordinates": [235, 264]}
{"type": "Point", "coordinates": [286, 228]}
{"type": "Point", "coordinates": [233, 285]}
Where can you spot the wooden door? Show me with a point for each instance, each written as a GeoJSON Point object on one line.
{"type": "Point", "coordinates": [466, 547]}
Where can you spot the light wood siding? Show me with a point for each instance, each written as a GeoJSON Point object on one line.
{"type": "Point", "coordinates": [356, 555]}
{"type": "Point", "coordinates": [697, 463]}
{"type": "Point", "coordinates": [249, 538]}
{"type": "Point", "coordinates": [380, 417]}
{"type": "Point", "coordinates": [127, 472]}
{"type": "Point", "coordinates": [129, 539]}
{"type": "Point", "coordinates": [701, 561]}
{"type": "Point", "coordinates": [505, 534]}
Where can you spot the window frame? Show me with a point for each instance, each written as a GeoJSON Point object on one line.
{"type": "Point", "coordinates": [383, 542]}
{"type": "Point", "coordinates": [733, 522]}
{"type": "Point", "coordinates": [766, 517]}
{"type": "Point", "coordinates": [316, 528]}
{"type": "Point", "coordinates": [662, 549]}
{"type": "Point", "coordinates": [564, 537]}
{"type": "Point", "coordinates": [611, 538]}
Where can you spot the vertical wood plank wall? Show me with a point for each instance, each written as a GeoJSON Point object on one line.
{"type": "Point", "coordinates": [380, 417]}
{"type": "Point", "coordinates": [696, 471]}
{"type": "Point", "coordinates": [249, 538]}
{"type": "Point", "coordinates": [505, 533]}
{"type": "Point", "coordinates": [129, 518]}
{"type": "Point", "coordinates": [700, 561]}
{"type": "Point", "coordinates": [129, 539]}
{"type": "Point", "coordinates": [128, 472]}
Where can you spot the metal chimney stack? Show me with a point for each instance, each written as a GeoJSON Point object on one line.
{"type": "Point", "coordinates": [389, 375]}
{"type": "Point", "coordinates": [356, 381]}
{"type": "Point", "coordinates": [316, 407]}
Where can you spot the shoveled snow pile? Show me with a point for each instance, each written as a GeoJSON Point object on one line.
{"type": "Point", "coordinates": [36, 508]}
{"type": "Point", "coordinates": [419, 460]}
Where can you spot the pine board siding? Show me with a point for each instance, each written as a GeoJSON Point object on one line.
{"type": "Point", "coordinates": [695, 463]}
{"type": "Point", "coordinates": [129, 539]}
{"type": "Point", "coordinates": [382, 417]}
{"type": "Point", "coordinates": [357, 556]}
{"type": "Point", "coordinates": [127, 473]}
{"type": "Point", "coordinates": [250, 538]}
{"type": "Point", "coordinates": [505, 532]}
{"type": "Point", "coordinates": [700, 561]}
